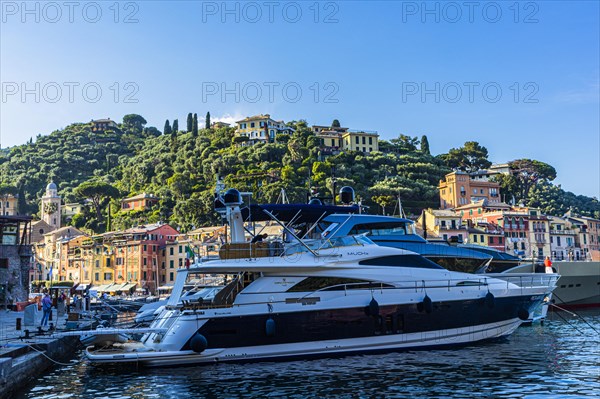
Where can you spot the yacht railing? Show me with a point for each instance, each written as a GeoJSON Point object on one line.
{"type": "Point", "coordinates": [524, 281]}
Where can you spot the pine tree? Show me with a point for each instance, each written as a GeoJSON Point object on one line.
{"type": "Point", "coordinates": [167, 129]}
{"type": "Point", "coordinates": [425, 145]}
{"type": "Point", "coordinates": [175, 126]}
{"type": "Point", "coordinates": [207, 121]}
{"type": "Point", "coordinates": [195, 126]}
{"type": "Point", "coordinates": [189, 122]}
{"type": "Point", "coordinates": [335, 123]}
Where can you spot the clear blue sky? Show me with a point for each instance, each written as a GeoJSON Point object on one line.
{"type": "Point", "coordinates": [373, 59]}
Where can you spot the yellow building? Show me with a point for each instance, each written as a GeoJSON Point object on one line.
{"type": "Point", "coordinates": [487, 235]}
{"type": "Point", "coordinates": [261, 129]}
{"type": "Point", "coordinates": [443, 223]}
{"type": "Point", "coordinates": [51, 256]}
{"type": "Point", "coordinates": [539, 234]}
{"type": "Point", "coordinates": [174, 257]}
{"type": "Point", "coordinates": [9, 205]}
{"type": "Point", "coordinates": [70, 210]}
{"type": "Point", "coordinates": [73, 261]}
{"type": "Point", "coordinates": [337, 139]}
{"type": "Point", "coordinates": [99, 256]}
{"type": "Point", "coordinates": [360, 141]}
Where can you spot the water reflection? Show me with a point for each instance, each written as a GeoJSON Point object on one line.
{"type": "Point", "coordinates": [541, 361]}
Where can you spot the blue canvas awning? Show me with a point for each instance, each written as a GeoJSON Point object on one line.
{"type": "Point", "coordinates": [307, 213]}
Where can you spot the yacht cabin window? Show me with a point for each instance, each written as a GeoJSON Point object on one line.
{"type": "Point", "coordinates": [380, 229]}
{"type": "Point", "coordinates": [311, 284]}
{"type": "Point", "coordinates": [321, 244]}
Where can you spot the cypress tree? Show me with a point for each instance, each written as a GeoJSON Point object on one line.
{"type": "Point", "coordinates": [167, 129]}
{"type": "Point", "coordinates": [175, 126]}
{"type": "Point", "coordinates": [189, 122]}
{"type": "Point", "coordinates": [425, 145]}
{"type": "Point", "coordinates": [21, 201]}
{"type": "Point", "coordinates": [207, 121]}
{"type": "Point", "coordinates": [195, 126]}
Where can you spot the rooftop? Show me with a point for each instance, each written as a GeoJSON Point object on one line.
{"type": "Point", "coordinates": [443, 212]}
{"type": "Point", "coordinates": [482, 203]}
{"type": "Point", "coordinates": [256, 117]}
{"type": "Point", "coordinates": [140, 196]}
{"type": "Point", "coordinates": [67, 231]}
{"type": "Point", "coordinates": [145, 228]}
{"type": "Point", "coordinates": [365, 132]}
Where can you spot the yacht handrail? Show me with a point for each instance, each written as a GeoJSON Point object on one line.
{"type": "Point", "coordinates": [337, 228]}
{"type": "Point", "coordinates": [344, 241]}
{"type": "Point", "coordinates": [314, 225]}
{"type": "Point", "coordinates": [290, 232]}
{"type": "Point", "coordinates": [481, 282]}
{"type": "Point", "coordinates": [545, 280]}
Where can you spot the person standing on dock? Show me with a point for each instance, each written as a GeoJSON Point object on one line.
{"type": "Point", "coordinates": [548, 265]}
{"type": "Point", "coordinates": [46, 308]}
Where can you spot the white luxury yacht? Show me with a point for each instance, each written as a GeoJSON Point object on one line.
{"type": "Point", "coordinates": [324, 297]}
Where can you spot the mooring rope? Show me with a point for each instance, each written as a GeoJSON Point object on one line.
{"type": "Point", "coordinates": [573, 313]}
{"type": "Point", "coordinates": [74, 361]}
{"type": "Point", "coordinates": [570, 325]}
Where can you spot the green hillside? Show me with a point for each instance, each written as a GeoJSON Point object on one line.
{"type": "Point", "coordinates": [181, 168]}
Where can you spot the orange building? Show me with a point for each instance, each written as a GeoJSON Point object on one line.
{"type": "Point", "coordinates": [139, 202]}
{"type": "Point", "coordinates": [460, 188]}
{"type": "Point", "coordinates": [138, 254]}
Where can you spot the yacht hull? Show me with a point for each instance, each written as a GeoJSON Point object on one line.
{"type": "Point", "coordinates": [578, 286]}
{"type": "Point", "coordinates": [330, 332]}
{"type": "Point", "coordinates": [382, 343]}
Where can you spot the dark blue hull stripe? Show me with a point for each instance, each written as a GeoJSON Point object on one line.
{"type": "Point", "coordinates": [333, 324]}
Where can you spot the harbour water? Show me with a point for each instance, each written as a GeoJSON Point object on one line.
{"type": "Point", "coordinates": [558, 360]}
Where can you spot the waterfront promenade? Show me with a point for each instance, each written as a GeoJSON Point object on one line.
{"type": "Point", "coordinates": [24, 355]}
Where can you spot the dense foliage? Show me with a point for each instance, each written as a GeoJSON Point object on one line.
{"type": "Point", "coordinates": [70, 157]}
{"type": "Point", "coordinates": [180, 168]}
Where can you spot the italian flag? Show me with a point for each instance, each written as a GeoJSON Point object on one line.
{"type": "Point", "coordinates": [189, 255]}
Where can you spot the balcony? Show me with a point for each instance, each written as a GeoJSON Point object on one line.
{"type": "Point", "coordinates": [452, 227]}
{"type": "Point", "coordinates": [563, 232]}
{"type": "Point", "coordinates": [515, 227]}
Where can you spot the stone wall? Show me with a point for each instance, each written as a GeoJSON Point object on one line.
{"type": "Point", "coordinates": [15, 262]}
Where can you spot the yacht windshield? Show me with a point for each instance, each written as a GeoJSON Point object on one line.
{"type": "Point", "coordinates": [381, 229]}
{"type": "Point", "coordinates": [320, 244]}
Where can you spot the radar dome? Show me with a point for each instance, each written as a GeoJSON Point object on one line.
{"type": "Point", "coordinates": [232, 197]}
{"type": "Point", "coordinates": [347, 195]}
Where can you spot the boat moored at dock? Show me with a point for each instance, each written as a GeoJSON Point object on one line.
{"type": "Point", "coordinates": [324, 297]}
